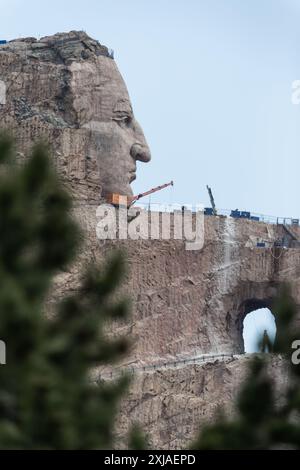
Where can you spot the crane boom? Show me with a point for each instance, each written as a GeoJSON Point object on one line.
{"type": "Point", "coordinates": [212, 201]}
{"type": "Point", "coordinates": [151, 191]}
{"type": "Point", "coordinates": [118, 199]}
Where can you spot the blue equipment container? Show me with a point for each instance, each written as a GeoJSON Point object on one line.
{"type": "Point", "coordinates": [257, 219]}
{"type": "Point", "coordinates": [236, 214]}
{"type": "Point", "coordinates": [2, 41]}
{"type": "Point", "coordinates": [260, 244]}
{"type": "Point", "coordinates": [208, 211]}
{"type": "Point", "coordinates": [245, 215]}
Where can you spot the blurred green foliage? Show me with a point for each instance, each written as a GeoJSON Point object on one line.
{"type": "Point", "coordinates": [46, 398]}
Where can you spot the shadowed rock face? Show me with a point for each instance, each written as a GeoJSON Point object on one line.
{"type": "Point", "coordinates": [67, 89]}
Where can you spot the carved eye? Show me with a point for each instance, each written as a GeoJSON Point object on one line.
{"type": "Point", "coordinates": [128, 120]}
{"type": "Point", "coordinates": [124, 120]}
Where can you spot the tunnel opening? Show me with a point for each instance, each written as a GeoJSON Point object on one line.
{"type": "Point", "coordinates": [259, 330]}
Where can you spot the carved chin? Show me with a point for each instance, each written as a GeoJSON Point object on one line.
{"type": "Point", "coordinates": [132, 178]}
{"type": "Point", "coordinates": [125, 189]}
{"type": "Point", "coordinates": [117, 185]}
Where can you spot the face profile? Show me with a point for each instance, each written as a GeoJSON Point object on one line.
{"type": "Point", "coordinates": [69, 91]}
{"type": "Point", "coordinates": [117, 139]}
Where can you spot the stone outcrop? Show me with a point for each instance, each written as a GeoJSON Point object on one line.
{"type": "Point", "coordinates": [67, 90]}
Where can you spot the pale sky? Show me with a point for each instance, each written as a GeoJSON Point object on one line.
{"type": "Point", "coordinates": [254, 325]}
{"type": "Point", "coordinates": [210, 81]}
{"type": "Point", "coordinates": [211, 84]}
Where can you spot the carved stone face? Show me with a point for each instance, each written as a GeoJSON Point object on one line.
{"type": "Point", "coordinates": [103, 106]}
{"type": "Point", "coordinates": [66, 90]}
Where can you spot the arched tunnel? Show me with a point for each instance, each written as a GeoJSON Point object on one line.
{"type": "Point", "coordinates": [255, 296]}
{"type": "Point", "coordinates": [257, 311]}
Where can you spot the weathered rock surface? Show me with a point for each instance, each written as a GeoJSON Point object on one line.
{"type": "Point", "coordinates": [67, 89]}
{"type": "Point", "coordinates": [187, 303]}
{"type": "Point", "coordinates": [172, 405]}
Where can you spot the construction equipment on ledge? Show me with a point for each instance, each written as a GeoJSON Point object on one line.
{"type": "Point", "coordinates": [120, 200]}
{"type": "Point", "coordinates": [213, 210]}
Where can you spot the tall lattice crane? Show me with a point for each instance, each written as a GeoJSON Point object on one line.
{"type": "Point", "coordinates": [212, 200]}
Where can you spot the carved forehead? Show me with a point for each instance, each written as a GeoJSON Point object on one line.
{"type": "Point", "coordinates": [99, 89]}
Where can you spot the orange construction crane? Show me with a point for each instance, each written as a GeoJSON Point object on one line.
{"type": "Point", "coordinates": [119, 200]}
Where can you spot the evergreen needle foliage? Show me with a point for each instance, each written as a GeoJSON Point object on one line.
{"type": "Point", "coordinates": [46, 399]}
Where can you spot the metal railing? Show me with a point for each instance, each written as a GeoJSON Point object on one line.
{"type": "Point", "coordinates": [170, 208]}
{"type": "Point", "coordinates": [160, 207]}
{"type": "Point", "coordinates": [269, 219]}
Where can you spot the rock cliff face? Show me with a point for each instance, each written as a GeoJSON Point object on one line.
{"type": "Point", "coordinates": [173, 404]}
{"type": "Point", "coordinates": [67, 89]}
{"type": "Point", "coordinates": [187, 303]}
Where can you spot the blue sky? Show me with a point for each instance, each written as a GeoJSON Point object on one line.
{"type": "Point", "coordinates": [210, 82]}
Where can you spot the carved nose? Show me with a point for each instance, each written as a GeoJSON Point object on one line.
{"type": "Point", "coordinates": [141, 153]}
